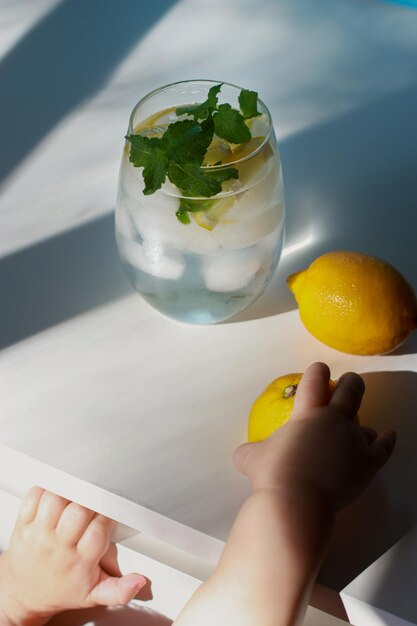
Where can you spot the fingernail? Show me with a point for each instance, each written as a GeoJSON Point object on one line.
{"type": "Point", "coordinates": [144, 591]}
{"type": "Point", "coordinates": [141, 582]}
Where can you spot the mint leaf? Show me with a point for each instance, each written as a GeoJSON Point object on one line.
{"type": "Point", "coordinates": [212, 95]}
{"type": "Point", "coordinates": [193, 181]}
{"type": "Point", "coordinates": [195, 110]}
{"type": "Point", "coordinates": [187, 141]}
{"type": "Point", "coordinates": [230, 124]}
{"type": "Point", "coordinates": [149, 153]}
{"type": "Point", "coordinates": [142, 149]}
{"type": "Point", "coordinates": [248, 101]}
{"type": "Point", "coordinates": [205, 109]}
{"type": "Point", "coordinates": [154, 175]}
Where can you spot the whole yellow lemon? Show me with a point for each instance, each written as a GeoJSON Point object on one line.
{"type": "Point", "coordinates": [355, 303]}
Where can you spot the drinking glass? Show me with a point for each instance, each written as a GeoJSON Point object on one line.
{"type": "Point", "coordinates": [213, 267]}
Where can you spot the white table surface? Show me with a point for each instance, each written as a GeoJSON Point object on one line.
{"type": "Point", "coordinates": [94, 382]}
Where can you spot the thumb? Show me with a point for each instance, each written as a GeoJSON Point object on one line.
{"type": "Point", "coordinates": [109, 562]}
{"type": "Point", "coordinates": [240, 457]}
{"type": "Point", "coordinates": [111, 590]}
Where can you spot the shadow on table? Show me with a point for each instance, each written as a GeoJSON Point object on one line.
{"type": "Point", "coordinates": [63, 60]}
{"type": "Point", "coordinates": [387, 509]}
{"type": "Point", "coordinates": [60, 278]}
{"type": "Point", "coordinates": [131, 615]}
{"type": "Point", "coordinates": [350, 184]}
{"type": "Point", "coordinates": [408, 347]}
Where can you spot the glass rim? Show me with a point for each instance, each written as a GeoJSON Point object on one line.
{"type": "Point", "coordinates": [222, 166]}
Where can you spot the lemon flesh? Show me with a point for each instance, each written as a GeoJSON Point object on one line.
{"type": "Point", "coordinates": [355, 303]}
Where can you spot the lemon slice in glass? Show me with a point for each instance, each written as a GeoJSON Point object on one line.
{"type": "Point", "coordinates": [209, 218]}
{"type": "Point", "coordinates": [219, 151]}
{"type": "Point", "coordinates": [249, 168]}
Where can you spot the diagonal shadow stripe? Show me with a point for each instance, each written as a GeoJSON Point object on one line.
{"type": "Point", "coordinates": [59, 278]}
{"type": "Point", "coordinates": [61, 62]}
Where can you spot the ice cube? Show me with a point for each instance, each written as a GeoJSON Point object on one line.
{"type": "Point", "coordinates": [155, 220]}
{"type": "Point", "coordinates": [256, 212]}
{"type": "Point", "coordinates": [246, 232]}
{"type": "Point", "coordinates": [230, 271]}
{"type": "Point", "coordinates": [153, 216]}
{"type": "Point", "coordinates": [150, 257]}
{"type": "Point", "coordinates": [201, 240]}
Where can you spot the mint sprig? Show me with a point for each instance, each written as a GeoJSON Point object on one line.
{"type": "Point", "coordinates": [180, 152]}
{"type": "Point", "coordinates": [182, 143]}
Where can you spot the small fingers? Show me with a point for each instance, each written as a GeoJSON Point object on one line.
{"type": "Point", "coordinates": [95, 541]}
{"type": "Point", "coordinates": [348, 394]}
{"type": "Point", "coordinates": [73, 523]}
{"type": "Point", "coordinates": [29, 505]}
{"type": "Point", "coordinates": [50, 510]}
{"type": "Point", "coordinates": [383, 447]}
{"type": "Point", "coordinates": [109, 561]}
{"type": "Point", "coordinates": [240, 456]}
{"type": "Point", "coordinates": [313, 390]}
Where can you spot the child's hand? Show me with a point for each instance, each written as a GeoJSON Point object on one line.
{"type": "Point", "coordinates": [321, 451]}
{"type": "Point", "coordinates": [60, 557]}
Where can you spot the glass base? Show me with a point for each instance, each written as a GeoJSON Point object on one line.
{"type": "Point", "coordinates": [202, 309]}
